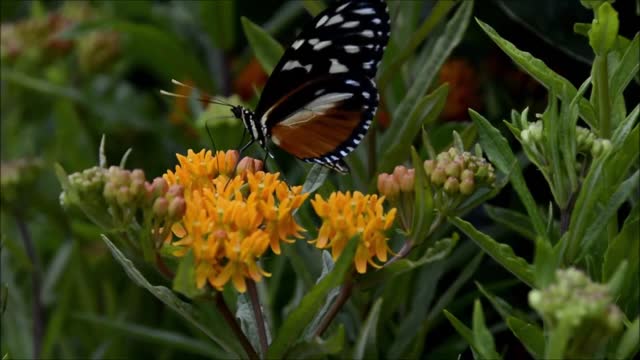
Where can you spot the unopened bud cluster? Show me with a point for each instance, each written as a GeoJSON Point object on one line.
{"type": "Point", "coordinates": [129, 190]}
{"type": "Point", "coordinates": [585, 306]}
{"type": "Point", "coordinates": [458, 172]}
{"type": "Point", "coordinates": [401, 180]}
{"type": "Point", "coordinates": [586, 140]}
{"type": "Point", "coordinates": [122, 193]}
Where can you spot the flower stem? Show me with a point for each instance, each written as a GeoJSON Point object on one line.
{"type": "Point", "coordinates": [231, 321]}
{"type": "Point", "coordinates": [163, 268]}
{"type": "Point", "coordinates": [343, 296]}
{"type": "Point", "coordinates": [257, 312]}
{"type": "Point", "coordinates": [37, 308]}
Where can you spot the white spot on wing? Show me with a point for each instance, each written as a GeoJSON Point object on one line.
{"type": "Point", "coordinates": [293, 64]}
{"type": "Point", "coordinates": [335, 19]}
{"type": "Point", "coordinates": [322, 45]}
{"type": "Point", "coordinates": [314, 41]}
{"type": "Point", "coordinates": [366, 95]}
{"type": "Point", "coordinates": [341, 7]}
{"type": "Point", "coordinates": [351, 49]}
{"type": "Point", "coordinates": [367, 33]}
{"type": "Point", "coordinates": [322, 21]}
{"type": "Point", "coordinates": [337, 67]}
{"type": "Point", "coordinates": [296, 44]}
{"type": "Point", "coordinates": [364, 11]}
{"type": "Point", "coordinates": [352, 82]}
{"type": "Point", "coordinates": [350, 24]}
{"type": "Point", "coordinates": [376, 21]}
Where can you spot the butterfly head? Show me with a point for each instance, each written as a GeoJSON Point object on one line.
{"type": "Point", "coordinates": [248, 118]}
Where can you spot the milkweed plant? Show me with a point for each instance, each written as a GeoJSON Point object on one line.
{"type": "Point", "coordinates": [263, 262]}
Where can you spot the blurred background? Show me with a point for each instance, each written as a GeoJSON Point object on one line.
{"type": "Point", "coordinates": [72, 71]}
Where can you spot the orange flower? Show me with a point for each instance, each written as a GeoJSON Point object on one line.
{"type": "Point", "coordinates": [250, 78]}
{"type": "Point", "coordinates": [231, 220]}
{"type": "Point", "coordinates": [463, 89]}
{"type": "Point", "coordinates": [345, 216]}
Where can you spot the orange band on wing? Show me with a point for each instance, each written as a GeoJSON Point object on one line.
{"type": "Point", "coordinates": [318, 136]}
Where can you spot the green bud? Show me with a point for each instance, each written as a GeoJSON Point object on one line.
{"type": "Point", "coordinates": [438, 177]}
{"type": "Point", "coordinates": [452, 185]}
{"type": "Point", "coordinates": [452, 169]}
{"type": "Point", "coordinates": [467, 174]}
{"type": "Point", "coordinates": [467, 186]}
{"type": "Point", "coordinates": [429, 166]}
{"type": "Point", "coordinates": [123, 196]}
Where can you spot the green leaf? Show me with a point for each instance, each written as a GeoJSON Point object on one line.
{"type": "Point", "coordinates": [438, 251]}
{"type": "Point", "coordinates": [512, 219]}
{"type": "Point", "coordinates": [366, 345]}
{"type": "Point", "coordinates": [185, 280]}
{"type": "Point", "coordinates": [218, 20]}
{"type": "Point", "coordinates": [220, 337]}
{"type": "Point", "coordinates": [624, 129]}
{"type": "Point", "coordinates": [469, 336]}
{"type": "Point", "coordinates": [497, 149]}
{"type": "Point", "coordinates": [443, 46]}
{"type": "Point", "coordinates": [436, 15]}
{"type": "Point", "coordinates": [267, 49]}
{"type": "Point", "coordinates": [501, 253]}
{"type": "Point", "coordinates": [300, 317]}
{"type": "Point", "coordinates": [54, 270]}
{"type": "Point", "coordinates": [630, 341]}
{"type": "Point", "coordinates": [314, 7]}
{"type": "Point", "coordinates": [398, 139]}
{"type": "Point", "coordinates": [530, 335]}
{"type": "Point", "coordinates": [318, 348]}
{"type": "Point", "coordinates": [558, 340]}
{"type": "Point", "coordinates": [545, 263]}
{"type": "Point", "coordinates": [624, 246]}
{"type": "Point", "coordinates": [162, 338]}
{"type": "Point", "coordinates": [604, 29]}
{"type": "Point", "coordinates": [481, 334]}
{"type": "Point", "coordinates": [542, 73]}
{"type": "Point", "coordinates": [315, 178]}
{"type": "Point", "coordinates": [599, 225]}
{"type": "Point", "coordinates": [626, 69]}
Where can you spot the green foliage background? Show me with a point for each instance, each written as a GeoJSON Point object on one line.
{"type": "Point", "coordinates": [64, 296]}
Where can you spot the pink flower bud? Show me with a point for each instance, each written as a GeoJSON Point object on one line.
{"type": "Point", "coordinates": [408, 180]}
{"type": "Point", "coordinates": [177, 207]}
{"type": "Point", "coordinates": [160, 207]}
{"type": "Point", "coordinates": [230, 160]}
{"type": "Point", "coordinates": [248, 164]}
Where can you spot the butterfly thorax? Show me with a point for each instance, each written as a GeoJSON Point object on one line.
{"type": "Point", "coordinates": [248, 117]}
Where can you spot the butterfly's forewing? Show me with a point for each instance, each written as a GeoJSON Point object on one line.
{"type": "Point", "coordinates": [331, 63]}
{"type": "Point", "coordinates": [349, 37]}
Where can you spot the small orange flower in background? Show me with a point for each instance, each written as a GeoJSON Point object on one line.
{"type": "Point", "coordinates": [250, 78]}
{"type": "Point", "coordinates": [463, 89]}
{"type": "Point", "coordinates": [345, 215]}
{"type": "Point", "coordinates": [231, 220]}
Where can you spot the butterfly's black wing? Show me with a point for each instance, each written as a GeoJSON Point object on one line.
{"type": "Point", "coordinates": [344, 42]}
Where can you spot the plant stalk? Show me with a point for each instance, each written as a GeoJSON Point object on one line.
{"type": "Point", "coordinates": [257, 312]}
{"type": "Point", "coordinates": [36, 305]}
{"type": "Point", "coordinates": [222, 307]}
{"type": "Point", "coordinates": [343, 296]}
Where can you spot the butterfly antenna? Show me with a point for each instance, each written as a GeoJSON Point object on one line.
{"type": "Point", "coordinates": [203, 96]}
{"type": "Point", "coordinates": [213, 143]}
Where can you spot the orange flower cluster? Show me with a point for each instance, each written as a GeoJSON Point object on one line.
{"type": "Point", "coordinates": [345, 216]}
{"type": "Point", "coordinates": [232, 218]}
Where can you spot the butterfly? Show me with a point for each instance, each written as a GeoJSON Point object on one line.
{"type": "Point", "coordinates": [321, 97]}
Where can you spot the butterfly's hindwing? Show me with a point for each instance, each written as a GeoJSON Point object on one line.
{"type": "Point", "coordinates": [327, 119]}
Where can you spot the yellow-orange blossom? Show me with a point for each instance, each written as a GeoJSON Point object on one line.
{"type": "Point", "coordinates": [346, 215]}
{"type": "Point", "coordinates": [231, 220]}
